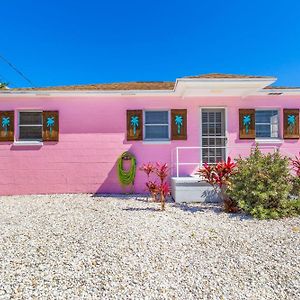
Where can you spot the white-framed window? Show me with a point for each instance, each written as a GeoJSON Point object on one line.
{"type": "Point", "coordinates": [156, 125]}
{"type": "Point", "coordinates": [267, 123]}
{"type": "Point", "coordinates": [30, 125]}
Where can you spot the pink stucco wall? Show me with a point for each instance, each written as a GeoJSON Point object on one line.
{"type": "Point", "coordinates": [92, 136]}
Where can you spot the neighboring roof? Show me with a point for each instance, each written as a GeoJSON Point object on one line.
{"type": "Point", "coordinates": [226, 76]}
{"type": "Point", "coordinates": [150, 85]}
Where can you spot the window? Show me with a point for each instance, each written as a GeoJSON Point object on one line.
{"type": "Point", "coordinates": [266, 123]}
{"type": "Point", "coordinates": [156, 125]}
{"type": "Point", "coordinates": [30, 126]}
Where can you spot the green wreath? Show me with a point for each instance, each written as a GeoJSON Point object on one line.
{"type": "Point", "coordinates": [126, 177]}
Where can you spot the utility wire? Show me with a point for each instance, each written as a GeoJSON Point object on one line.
{"type": "Point", "coordinates": [16, 69]}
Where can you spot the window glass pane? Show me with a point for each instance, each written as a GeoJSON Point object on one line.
{"type": "Point", "coordinates": [30, 133]}
{"type": "Point", "coordinates": [30, 118]}
{"type": "Point", "coordinates": [156, 117]}
{"type": "Point", "coordinates": [156, 132]}
{"type": "Point", "coordinates": [266, 123]}
{"type": "Point", "coordinates": [263, 130]}
{"type": "Point", "coordinates": [266, 116]}
{"type": "Point", "coordinates": [274, 130]}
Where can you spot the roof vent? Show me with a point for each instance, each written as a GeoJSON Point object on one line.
{"type": "Point", "coordinates": [275, 94]}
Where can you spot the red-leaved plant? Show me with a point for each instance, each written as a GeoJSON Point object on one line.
{"type": "Point", "coordinates": [219, 177]}
{"type": "Point", "coordinates": [296, 164]}
{"type": "Point", "coordinates": [158, 191]}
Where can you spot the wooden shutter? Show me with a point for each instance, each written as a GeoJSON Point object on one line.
{"type": "Point", "coordinates": [50, 126]}
{"type": "Point", "coordinates": [291, 123]}
{"type": "Point", "coordinates": [134, 125]}
{"type": "Point", "coordinates": [247, 123]}
{"type": "Point", "coordinates": [7, 126]}
{"type": "Point", "coordinates": [178, 124]}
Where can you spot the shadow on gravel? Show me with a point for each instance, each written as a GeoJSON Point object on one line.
{"type": "Point", "coordinates": [141, 209]}
{"type": "Point", "coordinates": [240, 217]}
{"type": "Point", "coordinates": [138, 197]}
{"type": "Point", "coordinates": [189, 208]}
{"type": "Point", "coordinates": [199, 208]}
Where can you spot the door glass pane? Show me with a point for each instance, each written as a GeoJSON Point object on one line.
{"type": "Point", "coordinates": [218, 117]}
{"type": "Point", "coordinates": [218, 129]}
{"type": "Point", "coordinates": [204, 117]}
{"type": "Point", "coordinates": [212, 129]}
{"type": "Point", "coordinates": [211, 117]}
{"type": "Point", "coordinates": [204, 129]}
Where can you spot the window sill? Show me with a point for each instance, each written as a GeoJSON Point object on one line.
{"type": "Point", "coordinates": [269, 141]}
{"type": "Point", "coordinates": [28, 143]}
{"type": "Point", "coordinates": [148, 142]}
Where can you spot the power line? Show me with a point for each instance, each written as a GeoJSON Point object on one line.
{"type": "Point", "coordinates": [16, 69]}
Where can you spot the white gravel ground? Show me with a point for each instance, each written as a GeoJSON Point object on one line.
{"type": "Point", "coordinates": [85, 247]}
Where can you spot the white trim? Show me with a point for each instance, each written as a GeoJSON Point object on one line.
{"type": "Point", "coordinates": [156, 142]}
{"type": "Point", "coordinates": [269, 141]}
{"type": "Point", "coordinates": [28, 143]}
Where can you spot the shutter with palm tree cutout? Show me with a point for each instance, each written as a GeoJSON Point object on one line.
{"type": "Point", "coordinates": [7, 126]}
{"type": "Point", "coordinates": [50, 126]}
{"type": "Point", "coordinates": [291, 123]}
{"type": "Point", "coordinates": [134, 125]}
{"type": "Point", "coordinates": [247, 123]}
{"type": "Point", "coordinates": [178, 124]}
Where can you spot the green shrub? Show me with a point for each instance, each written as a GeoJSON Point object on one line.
{"type": "Point", "coordinates": [296, 186]}
{"type": "Point", "coordinates": [262, 186]}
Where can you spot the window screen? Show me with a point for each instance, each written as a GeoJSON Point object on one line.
{"type": "Point", "coordinates": [30, 126]}
{"type": "Point", "coordinates": [156, 125]}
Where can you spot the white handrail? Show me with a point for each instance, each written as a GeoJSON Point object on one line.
{"type": "Point", "coordinates": [199, 163]}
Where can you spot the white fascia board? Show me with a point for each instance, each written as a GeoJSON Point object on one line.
{"type": "Point", "coordinates": [221, 86]}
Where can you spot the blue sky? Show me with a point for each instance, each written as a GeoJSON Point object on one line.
{"type": "Point", "coordinates": [62, 42]}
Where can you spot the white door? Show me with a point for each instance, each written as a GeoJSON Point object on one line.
{"type": "Point", "coordinates": [213, 135]}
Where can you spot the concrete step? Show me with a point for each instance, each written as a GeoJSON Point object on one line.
{"type": "Point", "coordinates": [192, 190]}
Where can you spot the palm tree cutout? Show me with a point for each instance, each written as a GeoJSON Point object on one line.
{"type": "Point", "coordinates": [5, 124]}
{"type": "Point", "coordinates": [134, 121]}
{"type": "Point", "coordinates": [246, 122]}
{"type": "Point", "coordinates": [178, 122]}
{"type": "Point", "coordinates": [50, 124]}
{"type": "Point", "coordinates": [291, 122]}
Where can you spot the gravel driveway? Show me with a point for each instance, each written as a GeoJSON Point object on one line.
{"type": "Point", "coordinates": [85, 247]}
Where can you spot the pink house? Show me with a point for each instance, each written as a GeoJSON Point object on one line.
{"type": "Point", "coordinates": [68, 139]}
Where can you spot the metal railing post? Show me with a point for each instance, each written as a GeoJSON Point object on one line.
{"type": "Point", "coordinates": [177, 162]}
